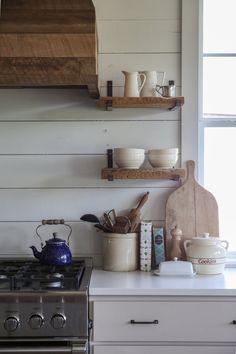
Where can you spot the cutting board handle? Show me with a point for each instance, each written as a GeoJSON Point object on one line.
{"type": "Point", "coordinates": [190, 170]}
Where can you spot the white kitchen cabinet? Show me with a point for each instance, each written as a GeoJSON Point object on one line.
{"type": "Point", "coordinates": [163, 325]}
{"type": "Point", "coordinates": [162, 350]}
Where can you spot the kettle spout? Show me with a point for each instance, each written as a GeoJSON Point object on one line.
{"type": "Point", "coordinates": [36, 253]}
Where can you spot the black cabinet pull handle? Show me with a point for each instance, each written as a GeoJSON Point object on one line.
{"type": "Point", "coordinates": [144, 322]}
{"type": "Point", "coordinates": [234, 322]}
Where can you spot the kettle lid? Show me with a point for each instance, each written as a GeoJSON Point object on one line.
{"type": "Point", "coordinates": [55, 240]}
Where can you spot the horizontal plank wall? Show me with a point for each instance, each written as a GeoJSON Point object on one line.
{"type": "Point", "coordinates": [53, 142]}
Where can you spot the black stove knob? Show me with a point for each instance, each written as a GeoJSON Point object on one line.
{"type": "Point", "coordinates": [36, 321]}
{"type": "Point", "coordinates": [11, 323]}
{"type": "Point", "coordinates": [58, 321]}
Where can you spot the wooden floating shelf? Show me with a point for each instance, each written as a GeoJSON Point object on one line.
{"type": "Point", "coordinates": [141, 102]}
{"type": "Point", "coordinates": [151, 173]}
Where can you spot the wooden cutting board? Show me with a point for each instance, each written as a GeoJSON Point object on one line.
{"type": "Point", "coordinates": [193, 209]}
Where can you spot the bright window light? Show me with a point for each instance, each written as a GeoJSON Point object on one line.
{"type": "Point", "coordinates": [219, 110]}
{"type": "Point", "coordinates": [220, 175]}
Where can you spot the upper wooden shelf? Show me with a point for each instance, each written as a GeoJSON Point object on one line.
{"type": "Point", "coordinates": [148, 173]}
{"type": "Point", "coordinates": [141, 102]}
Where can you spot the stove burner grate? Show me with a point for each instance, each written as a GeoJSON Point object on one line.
{"type": "Point", "coordinates": [31, 276]}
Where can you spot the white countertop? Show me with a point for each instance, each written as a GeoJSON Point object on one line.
{"type": "Point", "coordinates": [104, 283]}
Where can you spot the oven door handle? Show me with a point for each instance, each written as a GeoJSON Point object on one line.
{"type": "Point", "coordinates": [75, 348]}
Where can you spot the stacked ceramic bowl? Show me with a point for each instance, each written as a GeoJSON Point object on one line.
{"type": "Point", "coordinates": [128, 157]}
{"type": "Point", "coordinates": [164, 158]}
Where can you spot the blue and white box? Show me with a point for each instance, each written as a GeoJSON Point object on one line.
{"type": "Point", "coordinates": [146, 246]}
{"type": "Point", "coordinates": [158, 245]}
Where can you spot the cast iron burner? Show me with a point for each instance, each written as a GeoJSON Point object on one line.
{"type": "Point", "coordinates": [31, 276]}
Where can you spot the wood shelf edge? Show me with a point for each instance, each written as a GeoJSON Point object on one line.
{"type": "Point", "coordinates": [151, 173]}
{"type": "Point", "coordinates": [142, 102]}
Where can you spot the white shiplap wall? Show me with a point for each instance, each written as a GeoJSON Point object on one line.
{"type": "Point", "coordinates": [53, 141]}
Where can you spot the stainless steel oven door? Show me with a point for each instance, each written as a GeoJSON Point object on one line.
{"type": "Point", "coordinates": [37, 346]}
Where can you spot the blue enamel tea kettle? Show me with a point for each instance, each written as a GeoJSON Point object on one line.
{"type": "Point", "coordinates": [56, 251]}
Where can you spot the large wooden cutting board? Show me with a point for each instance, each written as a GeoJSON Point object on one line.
{"type": "Point", "coordinates": [193, 209]}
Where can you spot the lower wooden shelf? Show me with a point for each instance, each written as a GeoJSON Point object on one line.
{"type": "Point", "coordinates": [149, 173]}
{"type": "Point", "coordinates": [141, 102]}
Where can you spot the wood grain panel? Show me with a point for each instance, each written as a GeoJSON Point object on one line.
{"type": "Point", "coordinates": [143, 102]}
{"type": "Point", "coordinates": [163, 36]}
{"type": "Point", "coordinates": [48, 45]}
{"type": "Point", "coordinates": [47, 21]}
{"type": "Point", "coordinates": [71, 204]}
{"type": "Point", "coordinates": [85, 137]}
{"type": "Point", "coordinates": [137, 9]}
{"type": "Point", "coordinates": [47, 4]}
{"type": "Point", "coordinates": [111, 65]}
{"type": "Point", "coordinates": [63, 171]}
{"type": "Point", "coordinates": [48, 71]}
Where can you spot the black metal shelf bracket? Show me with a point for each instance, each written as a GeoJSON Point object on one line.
{"type": "Point", "coordinates": [176, 105]}
{"type": "Point", "coordinates": [109, 94]}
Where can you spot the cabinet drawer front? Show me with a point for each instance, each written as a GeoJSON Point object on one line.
{"type": "Point", "coordinates": [162, 350]}
{"type": "Point", "coordinates": [177, 321]}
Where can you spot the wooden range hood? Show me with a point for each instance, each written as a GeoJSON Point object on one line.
{"type": "Point", "coordinates": [48, 43]}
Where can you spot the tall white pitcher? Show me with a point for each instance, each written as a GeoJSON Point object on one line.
{"type": "Point", "coordinates": [132, 88]}
{"type": "Point", "coordinates": [151, 82]}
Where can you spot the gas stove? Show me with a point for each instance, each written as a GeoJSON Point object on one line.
{"type": "Point", "coordinates": [47, 303]}
{"type": "Point", "coordinates": [30, 276]}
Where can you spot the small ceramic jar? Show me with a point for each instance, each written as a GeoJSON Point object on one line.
{"type": "Point", "coordinates": [206, 253]}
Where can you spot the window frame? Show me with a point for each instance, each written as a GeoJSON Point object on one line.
{"type": "Point", "coordinates": [193, 121]}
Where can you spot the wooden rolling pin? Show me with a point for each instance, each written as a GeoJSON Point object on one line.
{"type": "Point", "coordinates": [135, 214]}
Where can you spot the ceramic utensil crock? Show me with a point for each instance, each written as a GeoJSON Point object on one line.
{"type": "Point", "coordinates": [120, 252]}
{"type": "Point", "coordinates": [206, 253]}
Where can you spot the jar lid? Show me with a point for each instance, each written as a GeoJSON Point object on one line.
{"type": "Point", "coordinates": [206, 239]}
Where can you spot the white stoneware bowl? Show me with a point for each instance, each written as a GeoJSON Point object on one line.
{"type": "Point", "coordinates": [165, 158]}
{"type": "Point", "coordinates": [129, 157]}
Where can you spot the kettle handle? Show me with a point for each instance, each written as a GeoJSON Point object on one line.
{"type": "Point", "coordinates": [53, 222]}
{"type": "Point", "coordinates": [186, 244]}
{"type": "Point", "coordinates": [143, 82]}
{"type": "Point", "coordinates": [226, 246]}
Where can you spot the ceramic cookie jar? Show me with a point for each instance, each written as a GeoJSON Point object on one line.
{"type": "Point", "coordinates": [206, 253]}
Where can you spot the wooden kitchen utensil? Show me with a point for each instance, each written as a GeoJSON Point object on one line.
{"type": "Point", "coordinates": [193, 209]}
{"type": "Point", "coordinates": [135, 214]}
{"type": "Point", "coordinates": [102, 227]}
{"type": "Point", "coordinates": [108, 222]}
{"type": "Point", "coordinates": [90, 218]}
{"type": "Point", "coordinates": [122, 225]}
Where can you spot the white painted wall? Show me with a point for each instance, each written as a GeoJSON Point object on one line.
{"type": "Point", "coordinates": [53, 141]}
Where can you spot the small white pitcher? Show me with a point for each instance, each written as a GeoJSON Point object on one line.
{"type": "Point", "coordinates": [151, 82]}
{"type": "Point", "coordinates": [132, 88]}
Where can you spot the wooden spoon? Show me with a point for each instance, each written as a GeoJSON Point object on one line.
{"type": "Point", "coordinates": [135, 214]}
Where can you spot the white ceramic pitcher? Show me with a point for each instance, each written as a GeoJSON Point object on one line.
{"type": "Point", "coordinates": [132, 88]}
{"type": "Point", "coordinates": [153, 78]}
